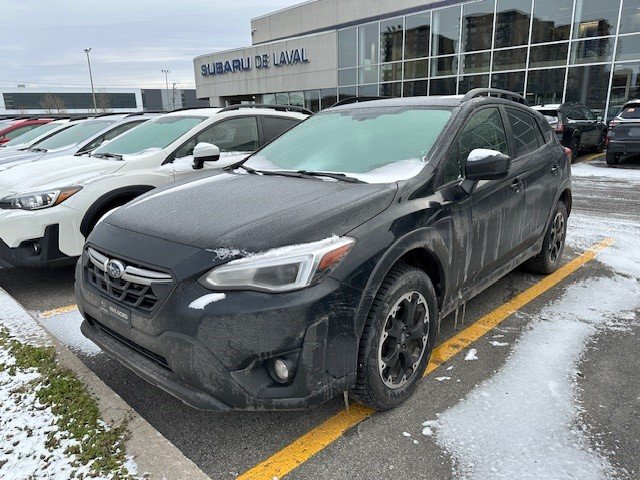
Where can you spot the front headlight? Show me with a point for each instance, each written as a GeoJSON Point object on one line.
{"type": "Point", "coordinates": [282, 269]}
{"type": "Point", "coordinates": [38, 200]}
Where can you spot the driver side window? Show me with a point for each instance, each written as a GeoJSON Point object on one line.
{"type": "Point", "coordinates": [483, 130]}
{"type": "Point", "coordinates": [233, 135]}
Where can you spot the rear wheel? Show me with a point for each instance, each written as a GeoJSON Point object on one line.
{"type": "Point", "coordinates": [550, 258]}
{"type": "Point", "coordinates": [602, 143]}
{"type": "Point", "coordinates": [613, 158]}
{"type": "Point", "coordinates": [398, 339]}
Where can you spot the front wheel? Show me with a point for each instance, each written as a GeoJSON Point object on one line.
{"type": "Point", "coordinates": [398, 339]}
{"type": "Point", "coordinates": [613, 158]}
{"type": "Point", "coordinates": [549, 259]}
{"type": "Point", "coordinates": [575, 148]}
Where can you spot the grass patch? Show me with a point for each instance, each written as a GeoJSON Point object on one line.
{"type": "Point", "coordinates": [99, 446]}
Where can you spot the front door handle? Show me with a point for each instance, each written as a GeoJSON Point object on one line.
{"type": "Point", "coordinates": [516, 185]}
{"type": "Point", "coordinates": [554, 167]}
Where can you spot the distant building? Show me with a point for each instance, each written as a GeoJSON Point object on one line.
{"type": "Point", "coordinates": [79, 100]}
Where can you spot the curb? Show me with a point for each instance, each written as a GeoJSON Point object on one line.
{"type": "Point", "coordinates": [155, 456]}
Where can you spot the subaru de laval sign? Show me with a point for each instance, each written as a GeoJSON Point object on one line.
{"type": "Point", "coordinates": [245, 64]}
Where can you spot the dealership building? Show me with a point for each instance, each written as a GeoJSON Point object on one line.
{"type": "Point", "coordinates": [319, 51]}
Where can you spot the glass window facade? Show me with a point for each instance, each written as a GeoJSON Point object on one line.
{"type": "Point", "coordinates": [551, 51]}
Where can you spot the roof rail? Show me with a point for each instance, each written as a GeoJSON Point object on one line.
{"type": "Point", "coordinates": [478, 92]}
{"type": "Point", "coordinates": [350, 100]}
{"type": "Point", "coordinates": [186, 108]}
{"type": "Point", "coordinates": [280, 108]}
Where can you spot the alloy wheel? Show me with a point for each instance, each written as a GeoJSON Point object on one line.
{"type": "Point", "coordinates": [403, 340]}
{"type": "Point", "coordinates": [557, 237]}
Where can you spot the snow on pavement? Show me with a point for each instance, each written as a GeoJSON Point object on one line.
{"type": "Point", "coordinates": [12, 318]}
{"type": "Point", "coordinates": [66, 328]}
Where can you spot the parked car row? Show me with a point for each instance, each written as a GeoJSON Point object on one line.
{"type": "Point", "coordinates": [262, 258]}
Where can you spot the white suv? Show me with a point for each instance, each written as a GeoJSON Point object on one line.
{"type": "Point", "coordinates": [47, 208]}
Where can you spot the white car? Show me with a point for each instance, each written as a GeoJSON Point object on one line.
{"type": "Point", "coordinates": [48, 207]}
{"type": "Point", "coordinates": [30, 138]}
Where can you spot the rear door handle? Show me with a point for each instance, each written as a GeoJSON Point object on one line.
{"type": "Point", "coordinates": [555, 167]}
{"type": "Point", "coordinates": [516, 185]}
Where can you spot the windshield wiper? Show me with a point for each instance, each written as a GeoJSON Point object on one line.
{"type": "Point", "coordinates": [38, 149]}
{"type": "Point", "coordinates": [107, 155]}
{"type": "Point", "coordinates": [338, 176]}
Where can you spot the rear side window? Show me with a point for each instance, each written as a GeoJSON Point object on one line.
{"type": "Point", "coordinates": [526, 134]}
{"type": "Point", "coordinates": [483, 130]}
{"type": "Point", "coordinates": [273, 127]}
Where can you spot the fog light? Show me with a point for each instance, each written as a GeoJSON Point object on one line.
{"type": "Point", "coordinates": [281, 370]}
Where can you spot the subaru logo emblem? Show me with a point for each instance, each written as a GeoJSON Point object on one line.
{"type": "Point", "coordinates": [115, 268]}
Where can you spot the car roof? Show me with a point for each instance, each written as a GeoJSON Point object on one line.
{"type": "Point", "coordinates": [246, 110]}
{"type": "Point", "coordinates": [552, 106]}
{"type": "Point", "coordinates": [435, 100]}
{"type": "Point", "coordinates": [202, 112]}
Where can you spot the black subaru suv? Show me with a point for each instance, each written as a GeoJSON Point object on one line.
{"type": "Point", "coordinates": [577, 127]}
{"type": "Point", "coordinates": [624, 133]}
{"type": "Point", "coordinates": [325, 262]}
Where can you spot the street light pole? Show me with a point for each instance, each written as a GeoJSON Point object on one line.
{"type": "Point", "coordinates": [93, 93]}
{"type": "Point", "coordinates": [166, 81]}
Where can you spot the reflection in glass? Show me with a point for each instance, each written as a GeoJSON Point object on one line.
{"type": "Point", "coordinates": [329, 96]}
{"type": "Point", "coordinates": [390, 72]}
{"type": "Point", "coordinates": [312, 100]}
{"type": "Point", "coordinates": [391, 89]}
{"type": "Point", "coordinates": [368, 74]}
{"type": "Point", "coordinates": [548, 55]}
{"type": "Point", "coordinates": [545, 86]}
{"type": "Point", "coordinates": [588, 85]}
{"type": "Point", "coordinates": [442, 86]}
{"type": "Point", "coordinates": [551, 20]}
{"type": "Point", "coordinates": [368, 90]}
{"type": "Point", "coordinates": [415, 89]}
{"type": "Point", "coordinates": [347, 47]}
{"type": "Point", "coordinates": [296, 98]}
{"type": "Point", "coordinates": [391, 40]}
{"type": "Point", "coordinates": [346, 92]}
{"type": "Point", "coordinates": [269, 99]}
{"type": "Point", "coordinates": [625, 86]}
{"type": "Point", "coordinates": [511, 59]}
{"type": "Point", "coordinates": [470, 82]}
{"type": "Point", "coordinates": [416, 69]}
{"type": "Point", "coordinates": [592, 50]}
{"type": "Point", "coordinates": [595, 18]}
{"type": "Point", "coordinates": [512, 22]}
{"type": "Point", "coordinates": [630, 20]}
{"type": "Point", "coordinates": [512, 81]}
{"type": "Point", "coordinates": [282, 98]}
{"type": "Point", "coordinates": [446, 30]}
{"type": "Point", "coordinates": [418, 31]}
{"type": "Point", "coordinates": [347, 76]}
{"type": "Point", "coordinates": [628, 48]}
{"type": "Point", "coordinates": [476, 62]}
{"type": "Point", "coordinates": [444, 66]}
{"type": "Point", "coordinates": [368, 44]}
{"type": "Point", "coordinates": [477, 25]}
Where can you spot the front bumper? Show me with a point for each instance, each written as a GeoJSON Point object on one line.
{"type": "Point", "coordinates": [35, 252]}
{"type": "Point", "coordinates": [217, 358]}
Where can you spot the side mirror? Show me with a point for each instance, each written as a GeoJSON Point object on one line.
{"type": "Point", "coordinates": [204, 152]}
{"type": "Point", "coordinates": [483, 164]}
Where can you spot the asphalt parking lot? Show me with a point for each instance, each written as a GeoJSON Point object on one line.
{"type": "Point", "coordinates": [551, 363]}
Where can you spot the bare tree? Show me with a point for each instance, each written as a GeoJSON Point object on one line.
{"type": "Point", "coordinates": [51, 103]}
{"type": "Point", "coordinates": [103, 102]}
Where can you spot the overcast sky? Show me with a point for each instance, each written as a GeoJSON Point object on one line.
{"type": "Point", "coordinates": [42, 41]}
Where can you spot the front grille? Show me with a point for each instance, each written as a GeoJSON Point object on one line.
{"type": "Point", "coordinates": [135, 287]}
{"type": "Point", "coordinates": [159, 359]}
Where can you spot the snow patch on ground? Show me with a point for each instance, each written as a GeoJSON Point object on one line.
{"type": "Point", "coordinates": [200, 303]}
{"type": "Point", "coordinates": [472, 354]}
{"type": "Point", "coordinates": [593, 170]}
{"type": "Point", "coordinates": [524, 422]}
{"type": "Point", "coordinates": [499, 344]}
{"type": "Point", "coordinates": [66, 328]}
{"type": "Point", "coordinates": [19, 323]}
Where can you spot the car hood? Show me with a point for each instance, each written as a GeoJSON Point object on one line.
{"type": "Point", "coordinates": [54, 173]}
{"type": "Point", "coordinates": [17, 156]}
{"type": "Point", "coordinates": [252, 213]}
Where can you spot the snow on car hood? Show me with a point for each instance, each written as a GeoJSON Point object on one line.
{"type": "Point", "coordinates": [54, 173]}
{"type": "Point", "coordinates": [252, 212]}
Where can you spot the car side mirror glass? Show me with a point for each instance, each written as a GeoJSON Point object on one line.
{"type": "Point", "coordinates": [484, 164]}
{"type": "Point", "coordinates": [204, 152]}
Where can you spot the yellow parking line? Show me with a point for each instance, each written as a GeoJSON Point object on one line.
{"type": "Point", "coordinates": [320, 437]}
{"type": "Point", "coordinates": [58, 311]}
{"type": "Point", "coordinates": [588, 158]}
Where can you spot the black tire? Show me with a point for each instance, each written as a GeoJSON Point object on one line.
{"type": "Point", "coordinates": [550, 258]}
{"type": "Point", "coordinates": [574, 145]}
{"type": "Point", "coordinates": [613, 158]}
{"type": "Point", "coordinates": [602, 143]}
{"type": "Point", "coordinates": [409, 292]}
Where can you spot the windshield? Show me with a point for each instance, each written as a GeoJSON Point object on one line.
{"type": "Point", "coordinates": [376, 145]}
{"type": "Point", "coordinates": [30, 135]}
{"type": "Point", "coordinates": [632, 111]}
{"type": "Point", "coordinates": [157, 133]}
{"type": "Point", "coordinates": [74, 134]}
